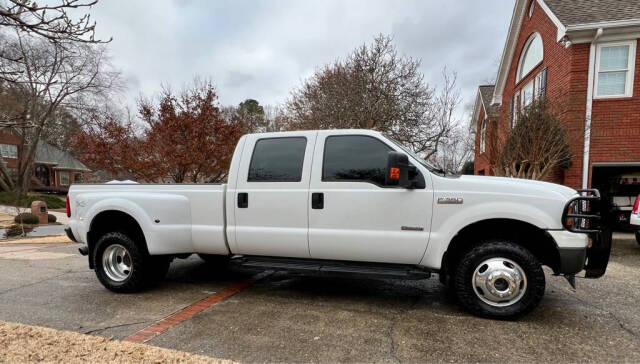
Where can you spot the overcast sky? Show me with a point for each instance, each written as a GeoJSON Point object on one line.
{"type": "Point", "coordinates": [264, 49]}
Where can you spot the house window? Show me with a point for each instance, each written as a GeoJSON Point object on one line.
{"type": "Point", "coordinates": [77, 177]}
{"type": "Point", "coordinates": [64, 178]}
{"type": "Point", "coordinates": [483, 136]}
{"type": "Point", "coordinates": [531, 56]}
{"type": "Point", "coordinates": [533, 3]}
{"type": "Point", "coordinates": [527, 95]}
{"type": "Point", "coordinates": [614, 65]}
{"type": "Point", "coordinates": [532, 90]}
{"type": "Point", "coordinates": [9, 150]}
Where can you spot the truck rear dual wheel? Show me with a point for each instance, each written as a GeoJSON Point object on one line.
{"type": "Point", "coordinates": [122, 266]}
{"type": "Point", "coordinates": [499, 279]}
{"type": "Point", "coordinates": [638, 237]}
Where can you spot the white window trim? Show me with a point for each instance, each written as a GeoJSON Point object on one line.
{"type": "Point", "coordinates": [483, 135]}
{"type": "Point", "coordinates": [631, 64]}
{"type": "Point", "coordinates": [7, 155]}
{"type": "Point", "coordinates": [531, 83]}
{"type": "Point", "coordinates": [60, 176]}
{"type": "Point", "coordinates": [531, 7]}
{"type": "Point", "coordinates": [523, 52]}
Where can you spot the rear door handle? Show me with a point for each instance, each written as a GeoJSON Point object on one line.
{"type": "Point", "coordinates": [317, 200]}
{"type": "Point", "coordinates": [243, 200]}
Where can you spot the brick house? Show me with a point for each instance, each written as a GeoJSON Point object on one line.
{"type": "Point", "coordinates": [581, 56]}
{"type": "Point", "coordinates": [55, 170]}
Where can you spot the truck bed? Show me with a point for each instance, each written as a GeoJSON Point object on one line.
{"type": "Point", "coordinates": [175, 218]}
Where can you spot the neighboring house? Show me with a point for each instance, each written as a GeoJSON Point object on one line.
{"type": "Point", "coordinates": [582, 56]}
{"type": "Point", "coordinates": [55, 170]}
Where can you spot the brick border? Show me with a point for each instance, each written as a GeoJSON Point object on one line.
{"type": "Point", "coordinates": [188, 312]}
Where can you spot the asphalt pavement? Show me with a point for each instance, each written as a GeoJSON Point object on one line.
{"type": "Point", "coordinates": [282, 317]}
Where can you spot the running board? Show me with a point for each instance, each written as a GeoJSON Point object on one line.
{"type": "Point", "coordinates": [330, 268]}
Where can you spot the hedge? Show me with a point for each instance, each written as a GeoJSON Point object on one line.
{"type": "Point", "coordinates": [53, 202]}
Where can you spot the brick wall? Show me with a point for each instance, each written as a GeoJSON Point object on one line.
{"type": "Point", "coordinates": [615, 135]}
{"type": "Point", "coordinates": [10, 138]}
{"type": "Point", "coordinates": [615, 126]}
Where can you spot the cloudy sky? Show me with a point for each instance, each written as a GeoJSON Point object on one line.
{"type": "Point", "coordinates": [264, 49]}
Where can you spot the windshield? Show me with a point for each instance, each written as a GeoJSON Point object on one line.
{"type": "Point", "coordinates": [420, 160]}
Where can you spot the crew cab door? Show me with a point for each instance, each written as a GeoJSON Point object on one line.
{"type": "Point", "coordinates": [353, 215]}
{"type": "Point", "coordinates": [271, 195]}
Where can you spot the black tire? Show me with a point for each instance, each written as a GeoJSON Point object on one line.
{"type": "Point", "coordinates": [638, 237]}
{"type": "Point", "coordinates": [216, 261]}
{"type": "Point", "coordinates": [463, 280]}
{"type": "Point", "coordinates": [144, 269]}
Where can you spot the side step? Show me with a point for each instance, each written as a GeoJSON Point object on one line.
{"type": "Point", "coordinates": [319, 267]}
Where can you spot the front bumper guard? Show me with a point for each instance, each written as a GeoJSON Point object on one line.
{"type": "Point", "coordinates": [583, 214]}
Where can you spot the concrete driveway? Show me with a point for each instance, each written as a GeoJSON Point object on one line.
{"type": "Point", "coordinates": [282, 317]}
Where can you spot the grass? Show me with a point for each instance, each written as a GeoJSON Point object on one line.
{"type": "Point", "coordinates": [53, 202]}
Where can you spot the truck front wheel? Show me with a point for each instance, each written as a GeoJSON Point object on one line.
{"type": "Point", "coordinates": [499, 279]}
{"type": "Point", "coordinates": [122, 266]}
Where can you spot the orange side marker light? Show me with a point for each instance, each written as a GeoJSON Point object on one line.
{"type": "Point", "coordinates": [394, 173]}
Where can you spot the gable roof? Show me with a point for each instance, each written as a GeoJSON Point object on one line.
{"type": "Point", "coordinates": [483, 102]}
{"type": "Point", "coordinates": [48, 154]}
{"type": "Point", "coordinates": [574, 12]}
{"type": "Point", "coordinates": [576, 20]}
{"type": "Point", "coordinates": [486, 95]}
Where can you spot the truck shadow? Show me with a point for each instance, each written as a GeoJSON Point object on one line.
{"type": "Point", "coordinates": [362, 294]}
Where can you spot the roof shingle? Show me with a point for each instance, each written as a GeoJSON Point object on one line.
{"type": "Point", "coordinates": [572, 12]}
{"type": "Point", "coordinates": [48, 154]}
{"type": "Point", "coordinates": [486, 93]}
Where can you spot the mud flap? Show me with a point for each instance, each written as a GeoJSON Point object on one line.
{"type": "Point", "coordinates": [598, 254]}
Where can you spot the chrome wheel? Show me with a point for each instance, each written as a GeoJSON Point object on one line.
{"type": "Point", "coordinates": [116, 263]}
{"type": "Point", "coordinates": [499, 282]}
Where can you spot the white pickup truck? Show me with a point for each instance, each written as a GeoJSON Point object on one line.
{"type": "Point", "coordinates": [347, 202]}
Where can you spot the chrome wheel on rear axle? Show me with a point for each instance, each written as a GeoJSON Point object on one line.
{"type": "Point", "coordinates": [499, 282]}
{"type": "Point", "coordinates": [116, 262]}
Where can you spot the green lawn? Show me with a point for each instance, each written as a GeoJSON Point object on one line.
{"type": "Point", "coordinates": [52, 201]}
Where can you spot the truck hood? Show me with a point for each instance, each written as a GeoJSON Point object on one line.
{"type": "Point", "coordinates": [518, 186]}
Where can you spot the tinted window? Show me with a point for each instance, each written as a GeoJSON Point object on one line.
{"type": "Point", "coordinates": [277, 160]}
{"type": "Point", "coordinates": [354, 158]}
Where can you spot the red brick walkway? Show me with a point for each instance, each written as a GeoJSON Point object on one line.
{"type": "Point", "coordinates": [188, 312]}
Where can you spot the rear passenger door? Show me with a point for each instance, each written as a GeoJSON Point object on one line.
{"type": "Point", "coordinates": [271, 201]}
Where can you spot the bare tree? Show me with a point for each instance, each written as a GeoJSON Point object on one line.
{"type": "Point", "coordinates": [375, 88]}
{"type": "Point", "coordinates": [456, 150]}
{"type": "Point", "coordinates": [50, 76]}
{"type": "Point", "coordinates": [537, 145]}
{"type": "Point", "coordinates": [256, 118]}
{"type": "Point", "coordinates": [275, 118]}
{"type": "Point", "coordinates": [50, 20]}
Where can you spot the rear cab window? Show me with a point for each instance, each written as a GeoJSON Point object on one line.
{"type": "Point", "coordinates": [277, 160]}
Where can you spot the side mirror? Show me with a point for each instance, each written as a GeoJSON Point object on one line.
{"type": "Point", "coordinates": [401, 173]}
{"type": "Point", "coordinates": [397, 173]}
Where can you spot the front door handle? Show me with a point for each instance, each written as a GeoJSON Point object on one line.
{"type": "Point", "coordinates": [243, 200]}
{"type": "Point", "coordinates": [317, 200]}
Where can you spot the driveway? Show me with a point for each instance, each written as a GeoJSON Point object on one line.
{"type": "Point", "coordinates": [281, 317]}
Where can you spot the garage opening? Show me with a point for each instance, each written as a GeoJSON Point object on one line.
{"type": "Point", "coordinates": [619, 184]}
